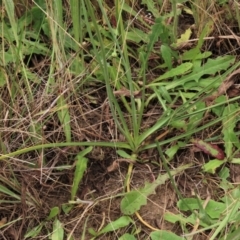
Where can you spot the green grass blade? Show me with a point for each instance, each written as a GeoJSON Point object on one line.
{"type": "Point", "coordinates": [17, 31]}
{"type": "Point", "coordinates": [102, 61]}
{"type": "Point", "coordinates": [64, 117]}
{"type": "Point", "coordinates": [34, 231]}
{"type": "Point", "coordinates": [81, 166]}
{"type": "Point", "coordinates": [126, 63]}
{"type": "Point", "coordinates": [163, 234]}
{"type": "Point", "coordinates": [117, 224]}
{"type": "Point", "coordinates": [9, 192]}
{"type": "Point", "coordinates": [76, 20]}
{"type": "Point", "coordinates": [9, 5]}
{"type": "Point", "coordinates": [225, 221]}
{"type": "Point", "coordinates": [65, 144]}
{"type": "Point", "coordinates": [229, 124]}
{"type": "Point", "coordinates": [164, 119]}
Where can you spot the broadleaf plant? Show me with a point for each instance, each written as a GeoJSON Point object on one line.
{"type": "Point", "coordinates": [134, 199]}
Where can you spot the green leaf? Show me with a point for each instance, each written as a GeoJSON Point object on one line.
{"type": "Point", "coordinates": [153, 37]}
{"type": "Point", "coordinates": [172, 151]}
{"type": "Point", "coordinates": [229, 124]}
{"type": "Point", "coordinates": [213, 209]}
{"type": "Point", "coordinates": [84, 152]}
{"type": "Point", "coordinates": [165, 235]}
{"type": "Point", "coordinates": [76, 19]}
{"type": "Point", "coordinates": [34, 231]}
{"type": "Point", "coordinates": [31, 47]}
{"type": "Point", "coordinates": [92, 232]}
{"type": "Point", "coordinates": [195, 54]}
{"type": "Point", "coordinates": [123, 154]}
{"type": "Point", "coordinates": [133, 200]}
{"type": "Point", "coordinates": [183, 39]}
{"type": "Point", "coordinates": [205, 33]}
{"type": "Point", "coordinates": [117, 224]}
{"type": "Point", "coordinates": [58, 232]}
{"type": "Point", "coordinates": [179, 70]}
{"type": "Point", "coordinates": [9, 192]}
{"type": "Point", "coordinates": [212, 165]}
{"type": "Point", "coordinates": [212, 66]}
{"type": "Point", "coordinates": [127, 236]}
{"type": "Point", "coordinates": [9, 7]}
{"type": "Point", "coordinates": [233, 236]}
{"type": "Point", "coordinates": [3, 77]}
{"type": "Point", "coordinates": [187, 203]}
{"type": "Point", "coordinates": [179, 124]}
{"type": "Point", "coordinates": [64, 117]}
{"type": "Point", "coordinates": [224, 173]}
{"type": "Point", "coordinates": [151, 6]}
{"type": "Point", "coordinates": [81, 166]}
{"type": "Point", "coordinates": [71, 238]}
{"type": "Point", "coordinates": [197, 115]}
{"type": "Point", "coordinates": [173, 218]}
{"type": "Point", "coordinates": [232, 197]}
{"type": "Point", "coordinates": [236, 160]}
{"type": "Point", "coordinates": [53, 213]}
{"type": "Point", "coordinates": [165, 94]}
{"type": "Point", "coordinates": [218, 110]}
{"type": "Point", "coordinates": [66, 207]}
{"type": "Point", "coordinates": [166, 53]}
{"type": "Point", "coordinates": [136, 35]}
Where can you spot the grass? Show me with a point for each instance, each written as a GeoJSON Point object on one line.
{"type": "Point", "coordinates": [117, 125]}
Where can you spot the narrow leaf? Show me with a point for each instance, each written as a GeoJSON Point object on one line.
{"type": "Point", "coordinates": [92, 232]}
{"type": "Point", "coordinates": [234, 235]}
{"type": "Point", "coordinates": [117, 224]}
{"type": "Point", "coordinates": [212, 166]}
{"type": "Point", "coordinates": [183, 39]}
{"type": "Point", "coordinates": [127, 236]}
{"type": "Point", "coordinates": [58, 232]}
{"type": "Point", "coordinates": [84, 152]}
{"type": "Point", "coordinates": [229, 124]}
{"type": "Point", "coordinates": [123, 154]}
{"type": "Point", "coordinates": [34, 232]}
{"type": "Point", "coordinates": [81, 166]}
{"type": "Point", "coordinates": [173, 218]}
{"type": "Point", "coordinates": [166, 52]}
{"type": "Point", "coordinates": [166, 235]}
{"type": "Point", "coordinates": [179, 70]}
{"type": "Point", "coordinates": [64, 117]}
{"type": "Point", "coordinates": [53, 213]}
{"type": "Point", "coordinates": [9, 7]}
{"type": "Point", "coordinates": [9, 192]}
{"type": "Point", "coordinates": [157, 29]}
